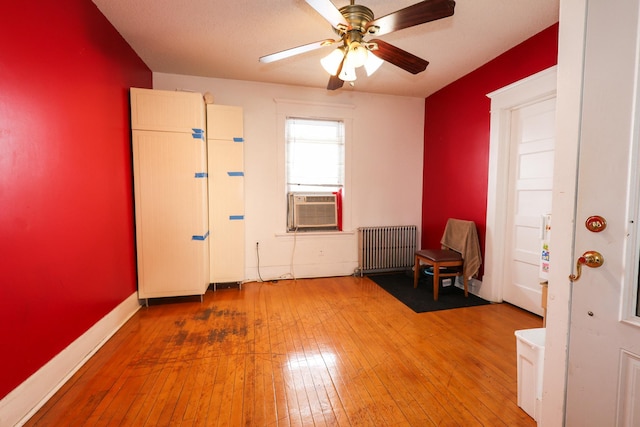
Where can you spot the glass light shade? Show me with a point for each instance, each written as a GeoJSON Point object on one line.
{"type": "Point", "coordinates": [348, 73]}
{"type": "Point", "coordinates": [331, 62]}
{"type": "Point", "coordinates": [372, 64]}
{"type": "Point", "coordinates": [357, 55]}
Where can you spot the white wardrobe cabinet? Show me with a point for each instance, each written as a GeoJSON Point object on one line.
{"type": "Point", "coordinates": [226, 193]}
{"type": "Point", "coordinates": [170, 188]}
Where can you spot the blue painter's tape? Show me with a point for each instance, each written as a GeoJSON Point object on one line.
{"type": "Point", "coordinates": [204, 237]}
{"type": "Point", "coordinates": [202, 175]}
{"type": "Point", "coordinates": [236, 217]}
{"type": "Point", "coordinates": [237, 139]}
{"type": "Point", "coordinates": [235, 173]}
{"type": "Point", "coordinates": [196, 130]}
{"type": "Point", "coordinates": [198, 136]}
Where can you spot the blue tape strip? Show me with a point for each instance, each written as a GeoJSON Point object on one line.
{"type": "Point", "coordinates": [196, 130]}
{"type": "Point", "coordinates": [200, 237]}
{"type": "Point", "coordinates": [235, 173]}
{"type": "Point", "coordinates": [202, 175]}
{"type": "Point", "coordinates": [198, 136]}
{"type": "Point", "coordinates": [237, 139]}
{"type": "Point", "coordinates": [236, 217]}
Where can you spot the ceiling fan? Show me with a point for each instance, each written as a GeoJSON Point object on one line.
{"type": "Point", "coordinates": [353, 23]}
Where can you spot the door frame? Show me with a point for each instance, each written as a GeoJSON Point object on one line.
{"type": "Point", "coordinates": [535, 88]}
{"type": "Point", "coordinates": [571, 55]}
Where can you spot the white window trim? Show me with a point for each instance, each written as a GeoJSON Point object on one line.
{"type": "Point", "coordinates": [313, 110]}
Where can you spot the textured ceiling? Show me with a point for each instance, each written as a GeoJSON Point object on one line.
{"type": "Point", "coordinates": [224, 39]}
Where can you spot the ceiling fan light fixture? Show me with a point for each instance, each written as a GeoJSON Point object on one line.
{"type": "Point", "coordinates": [331, 62]}
{"type": "Point", "coordinates": [348, 73]}
{"type": "Point", "coordinates": [357, 54]}
{"type": "Point", "coordinates": [372, 64]}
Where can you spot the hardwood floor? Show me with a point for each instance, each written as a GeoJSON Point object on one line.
{"type": "Point", "coordinates": [314, 352]}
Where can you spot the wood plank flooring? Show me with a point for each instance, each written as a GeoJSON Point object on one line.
{"type": "Point", "coordinates": [313, 352]}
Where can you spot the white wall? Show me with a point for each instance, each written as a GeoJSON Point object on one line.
{"type": "Point", "coordinates": [384, 183]}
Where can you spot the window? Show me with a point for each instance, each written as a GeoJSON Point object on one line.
{"type": "Point", "coordinates": [314, 155]}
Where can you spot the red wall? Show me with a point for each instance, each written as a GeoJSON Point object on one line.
{"type": "Point", "coordinates": [66, 212]}
{"type": "Point", "coordinates": [456, 136]}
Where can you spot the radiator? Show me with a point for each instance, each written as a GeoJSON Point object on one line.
{"type": "Point", "coordinates": [390, 248]}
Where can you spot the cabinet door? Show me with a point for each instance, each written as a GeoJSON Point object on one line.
{"type": "Point", "coordinates": [165, 110]}
{"type": "Point", "coordinates": [171, 214]}
{"type": "Point", "coordinates": [226, 210]}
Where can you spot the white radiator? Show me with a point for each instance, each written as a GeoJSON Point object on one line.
{"type": "Point", "coordinates": [388, 248]}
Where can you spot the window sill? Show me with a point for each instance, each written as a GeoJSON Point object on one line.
{"type": "Point", "coordinates": [332, 233]}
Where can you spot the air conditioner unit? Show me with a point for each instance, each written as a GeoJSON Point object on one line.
{"type": "Point", "coordinates": [312, 211]}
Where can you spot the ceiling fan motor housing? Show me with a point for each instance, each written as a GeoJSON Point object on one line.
{"type": "Point", "coordinates": [357, 16]}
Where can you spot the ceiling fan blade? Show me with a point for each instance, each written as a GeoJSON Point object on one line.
{"type": "Point", "coordinates": [419, 13]}
{"type": "Point", "coordinates": [295, 51]}
{"type": "Point", "coordinates": [334, 83]}
{"type": "Point", "coordinates": [328, 12]}
{"type": "Point", "coordinates": [398, 57]}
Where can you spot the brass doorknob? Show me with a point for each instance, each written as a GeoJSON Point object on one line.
{"type": "Point", "coordinates": [593, 259]}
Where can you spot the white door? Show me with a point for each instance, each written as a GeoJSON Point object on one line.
{"type": "Point", "coordinates": [603, 383]}
{"type": "Point", "coordinates": [530, 193]}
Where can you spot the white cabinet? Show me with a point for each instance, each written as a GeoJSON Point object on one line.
{"type": "Point", "coordinates": [170, 187]}
{"type": "Point", "coordinates": [226, 192]}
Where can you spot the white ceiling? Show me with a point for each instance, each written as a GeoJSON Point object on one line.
{"type": "Point", "coordinates": [225, 38]}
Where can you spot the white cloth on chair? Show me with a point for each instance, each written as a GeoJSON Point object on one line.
{"type": "Point", "coordinates": [462, 237]}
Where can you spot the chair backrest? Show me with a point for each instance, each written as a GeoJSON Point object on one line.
{"type": "Point", "coordinates": [462, 236]}
{"type": "Point", "coordinates": [456, 233]}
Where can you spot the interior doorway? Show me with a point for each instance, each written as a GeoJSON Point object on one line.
{"type": "Point", "coordinates": [515, 182]}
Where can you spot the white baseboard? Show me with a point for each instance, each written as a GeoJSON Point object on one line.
{"type": "Point", "coordinates": [25, 400]}
{"type": "Point", "coordinates": [474, 286]}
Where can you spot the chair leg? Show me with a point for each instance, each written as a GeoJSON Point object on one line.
{"type": "Point", "coordinates": [436, 281]}
{"type": "Point", "coordinates": [465, 280]}
{"type": "Point", "coordinates": [416, 273]}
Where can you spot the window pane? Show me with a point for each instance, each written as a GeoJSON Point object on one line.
{"type": "Point", "coordinates": [314, 155]}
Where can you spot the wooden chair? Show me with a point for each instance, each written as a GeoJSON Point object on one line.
{"type": "Point", "coordinates": [440, 258]}
{"type": "Point", "coordinates": [458, 256]}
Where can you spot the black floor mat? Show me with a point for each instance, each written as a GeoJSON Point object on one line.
{"type": "Point", "coordinates": [420, 299]}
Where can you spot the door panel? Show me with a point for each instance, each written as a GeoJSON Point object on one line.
{"type": "Point", "coordinates": [531, 180]}
{"type": "Point", "coordinates": [603, 382]}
